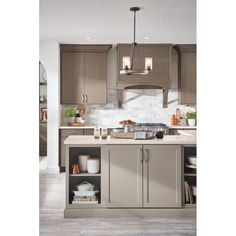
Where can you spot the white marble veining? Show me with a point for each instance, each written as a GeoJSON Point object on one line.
{"type": "Point", "coordinates": [168, 139]}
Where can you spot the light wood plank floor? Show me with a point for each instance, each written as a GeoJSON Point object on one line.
{"type": "Point", "coordinates": [52, 222]}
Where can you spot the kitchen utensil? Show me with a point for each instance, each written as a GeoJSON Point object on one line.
{"type": "Point", "coordinates": [85, 186]}
{"type": "Point", "coordinates": [192, 160]}
{"type": "Point", "coordinates": [93, 165]}
{"type": "Point", "coordinates": [82, 160]}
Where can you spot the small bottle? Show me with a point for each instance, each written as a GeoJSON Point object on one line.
{"type": "Point", "coordinates": [96, 132]}
{"type": "Point", "coordinates": [104, 133]}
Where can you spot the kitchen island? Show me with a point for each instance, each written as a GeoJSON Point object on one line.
{"type": "Point", "coordinates": [135, 178]}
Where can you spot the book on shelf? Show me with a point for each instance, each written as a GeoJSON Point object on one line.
{"type": "Point", "coordinates": [78, 202]}
{"type": "Point", "coordinates": [84, 199]}
{"type": "Point", "coordinates": [188, 193]}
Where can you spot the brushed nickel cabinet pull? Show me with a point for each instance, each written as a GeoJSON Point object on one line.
{"type": "Point", "coordinates": [86, 98]}
{"type": "Point", "coordinates": [83, 97]}
{"type": "Point", "coordinates": [146, 156]}
{"type": "Point", "coordinates": [139, 153]}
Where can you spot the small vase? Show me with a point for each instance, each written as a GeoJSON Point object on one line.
{"type": "Point", "coordinates": [191, 122]}
{"type": "Point", "coordinates": [71, 119]}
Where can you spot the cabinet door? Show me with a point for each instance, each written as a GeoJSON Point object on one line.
{"type": "Point", "coordinates": [188, 78]}
{"type": "Point", "coordinates": [187, 75]}
{"type": "Point", "coordinates": [63, 135]}
{"type": "Point", "coordinates": [162, 176]}
{"type": "Point", "coordinates": [95, 78]}
{"type": "Point", "coordinates": [72, 77]}
{"type": "Point", "coordinates": [122, 176]}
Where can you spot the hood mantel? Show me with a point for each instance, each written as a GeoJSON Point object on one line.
{"type": "Point", "coordinates": [160, 75]}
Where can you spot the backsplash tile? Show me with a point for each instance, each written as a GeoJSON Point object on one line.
{"type": "Point", "coordinates": [138, 105]}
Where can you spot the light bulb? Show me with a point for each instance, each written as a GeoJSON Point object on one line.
{"type": "Point", "coordinates": [126, 62]}
{"type": "Point", "coordinates": [148, 63]}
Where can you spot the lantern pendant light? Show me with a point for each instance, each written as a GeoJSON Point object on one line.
{"type": "Point", "coordinates": [128, 61]}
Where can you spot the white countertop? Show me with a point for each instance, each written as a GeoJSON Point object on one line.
{"type": "Point", "coordinates": [78, 127]}
{"type": "Point", "coordinates": [182, 127]}
{"type": "Point", "coordinates": [111, 127]}
{"type": "Point", "coordinates": [168, 139]}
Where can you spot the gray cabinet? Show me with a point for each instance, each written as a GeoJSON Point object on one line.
{"type": "Point", "coordinates": [122, 176]}
{"type": "Point", "coordinates": [161, 57]}
{"type": "Point", "coordinates": [187, 74]}
{"type": "Point", "coordinates": [162, 176]}
{"type": "Point", "coordinates": [72, 77]}
{"type": "Point", "coordinates": [83, 73]}
{"type": "Point", "coordinates": [141, 176]}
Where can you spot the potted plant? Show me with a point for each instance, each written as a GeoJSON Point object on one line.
{"type": "Point", "coordinates": [191, 118]}
{"type": "Point", "coordinates": [70, 114]}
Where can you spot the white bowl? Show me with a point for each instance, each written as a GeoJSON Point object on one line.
{"type": "Point", "coordinates": [192, 160]}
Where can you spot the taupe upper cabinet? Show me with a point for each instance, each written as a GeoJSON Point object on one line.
{"type": "Point", "coordinates": [83, 73]}
{"type": "Point", "coordinates": [187, 73]}
{"type": "Point", "coordinates": [162, 176]}
{"type": "Point", "coordinates": [161, 58]}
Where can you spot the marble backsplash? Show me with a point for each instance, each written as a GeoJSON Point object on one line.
{"type": "Point", "coordinates": [138, 105]}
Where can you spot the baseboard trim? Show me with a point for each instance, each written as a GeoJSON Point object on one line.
{"type": "Point", "coordinates": [167, 213]}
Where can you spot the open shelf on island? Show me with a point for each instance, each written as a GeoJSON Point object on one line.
{"type": "Point", "coordinates": [190, 174]}
{"type": "Point", "coordinates": [190, 177]}
{"type": "Point", "coordinates": [84, 174]}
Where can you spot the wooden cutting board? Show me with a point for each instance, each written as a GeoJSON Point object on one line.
{"type": "Point", "coordinates": [122, 135]}
{"type": "Point", "coordinates": [76, 124]}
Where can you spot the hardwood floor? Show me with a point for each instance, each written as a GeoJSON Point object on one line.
{"type": "Point", "coordinates": [52, 222]}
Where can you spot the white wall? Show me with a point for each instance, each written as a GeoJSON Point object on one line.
{"type": "Point", "coordinates": [49, 56]}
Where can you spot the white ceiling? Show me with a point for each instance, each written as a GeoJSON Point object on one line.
{"type": "Point", "coordinates": [111, 21]}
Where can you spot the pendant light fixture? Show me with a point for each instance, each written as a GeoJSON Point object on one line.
{"type": "Point", "coordinates": [128, 61]}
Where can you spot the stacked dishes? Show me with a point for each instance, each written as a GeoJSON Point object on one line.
{"type": "Point", "coordinates": [85, 193]}
{"type": "Point", "coordinates": [192, 162]}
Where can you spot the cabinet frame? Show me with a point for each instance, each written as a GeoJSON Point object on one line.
{"type": "Point", "coordinates": [81, 55]}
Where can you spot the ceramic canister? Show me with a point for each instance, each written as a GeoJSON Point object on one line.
{"type": "Point", "coordinates": [93, 165]}
{"type": "Point", "coordinates": [82, 160]}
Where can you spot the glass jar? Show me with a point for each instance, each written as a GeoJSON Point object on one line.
{"type": "Point", "coordinates": [96, 132]}
{"type": "Point", "coordinates": [104, 133]}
